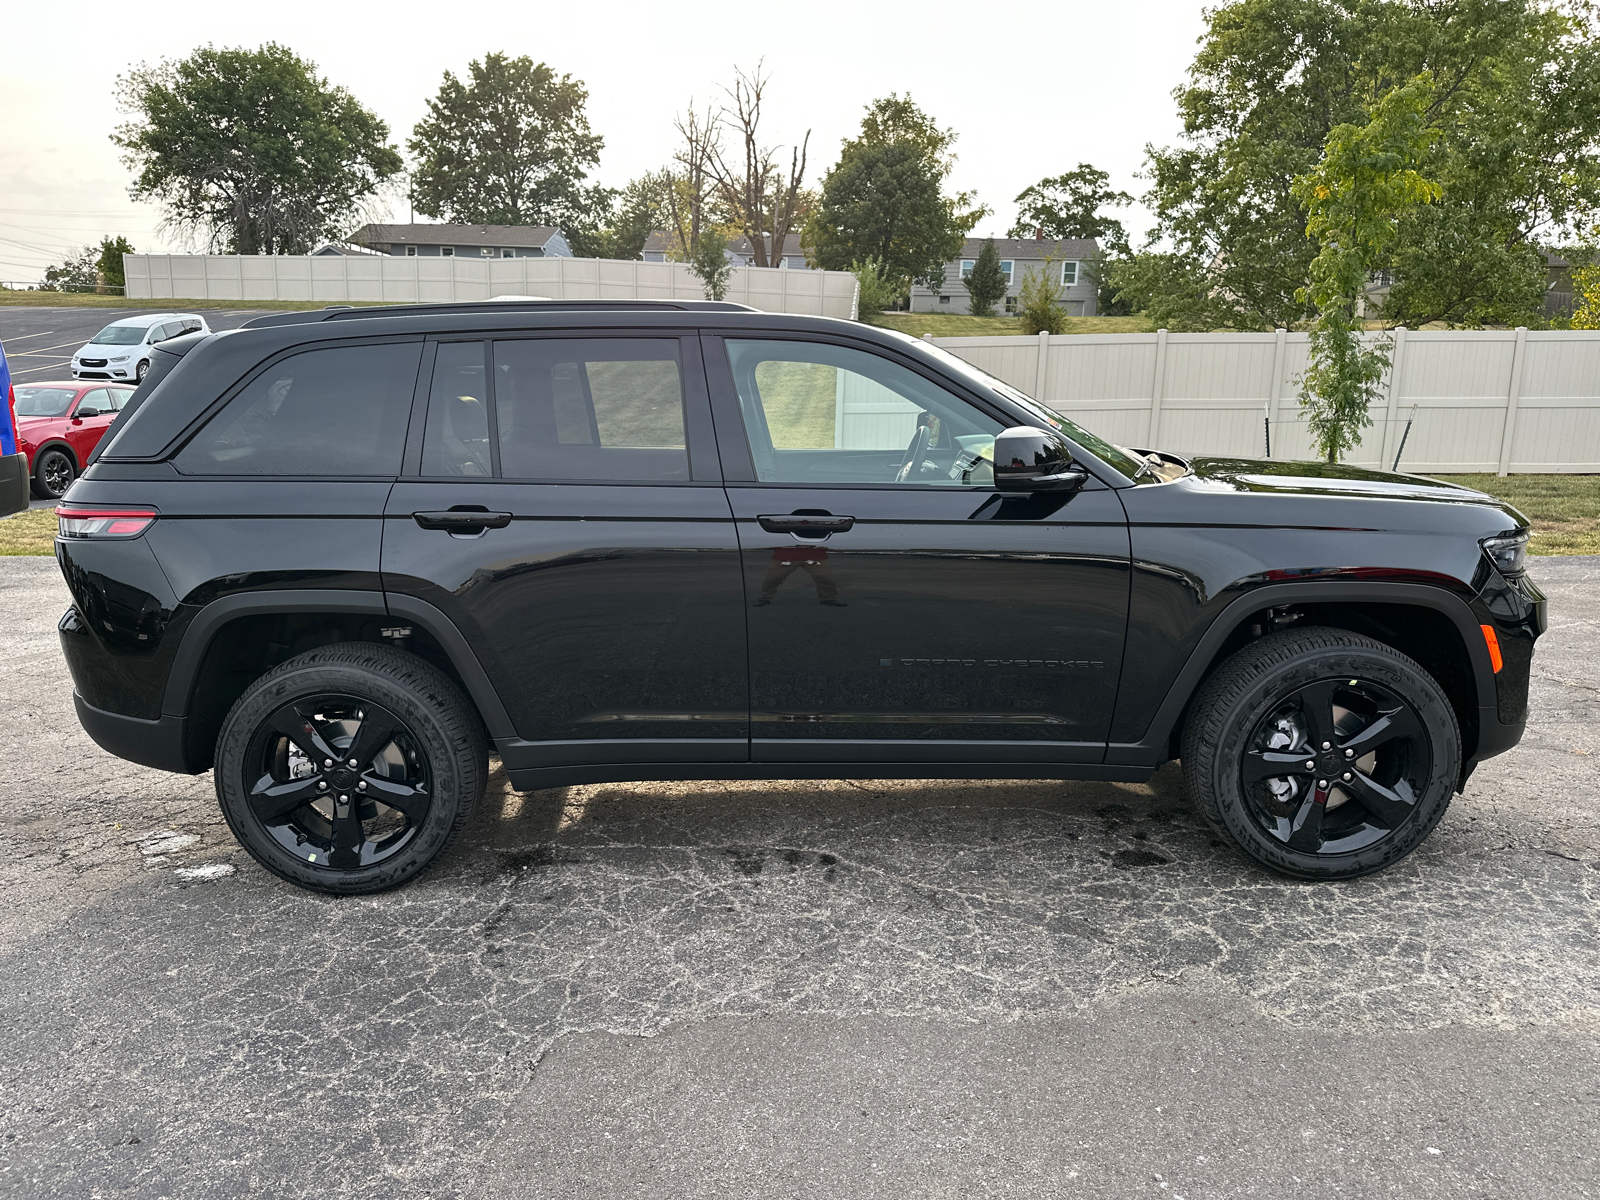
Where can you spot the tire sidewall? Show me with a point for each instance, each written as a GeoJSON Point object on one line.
{"type": "Point", "coordinates": [1240, 719]}
{"type": "Point", "coordinates": [448, 781]}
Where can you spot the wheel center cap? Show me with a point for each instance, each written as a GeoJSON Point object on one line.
{"type": "Point", "coordinates": [1331, 763]}
{"type": "Point", "coordinates": [342, 778]}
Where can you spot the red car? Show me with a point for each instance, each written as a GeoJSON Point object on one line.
{"type": "Point", "coordinates": [60, 424]}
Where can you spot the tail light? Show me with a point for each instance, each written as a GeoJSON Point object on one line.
{"type": "Point", "coordinates": [104, 522]}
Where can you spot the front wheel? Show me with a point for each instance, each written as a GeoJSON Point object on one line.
{"type": "Point", "coordinates": [141, 371]}
{"type": "Point", "coordinates": [350, 768]}
{"type": "Point", "coordinates": [1322, 754]}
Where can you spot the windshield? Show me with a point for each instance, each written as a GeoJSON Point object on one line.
{"type": "Point", "coordinates": [44, 402]}
{"type": "Point", "coordinates": [121, 335]}
{"type": "Point", "coordinates": [1114, 456]}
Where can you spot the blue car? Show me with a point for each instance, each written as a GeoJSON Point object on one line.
{"type": "Point", "coordinates": [13, 463]}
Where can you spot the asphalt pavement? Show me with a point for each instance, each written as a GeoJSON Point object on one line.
{"type": "Point", "coordinates": [40, 342]}
{"type": "Point", "coordinates": [854, 989]}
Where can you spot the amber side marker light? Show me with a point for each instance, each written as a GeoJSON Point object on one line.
{"type": "Point", "coordinates": [1493, 642]}
{"type": "Point", "coordinates": [104, 522]}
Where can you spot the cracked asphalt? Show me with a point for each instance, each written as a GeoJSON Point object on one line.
{"type": "Point", "coordinates": [879, 989]}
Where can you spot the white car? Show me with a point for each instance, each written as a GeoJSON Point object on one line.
{"type": "Point", "coordinates": [122, 349]}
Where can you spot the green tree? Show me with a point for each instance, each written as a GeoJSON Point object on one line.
{"type": "Point", "coordinates": [986, 282]}
{"type": "Point", "coordinates": [109, 263]}
{"type": "Point", "coordinates": [251, 150]}
{"type": "Point", "coordinates": [75, 273]}
{"type": "Point", "coordinates": [884, 199]}
{"type": "Point", "coordinates": [509, 146]}
{"type": "Point", "coordinates": [1069, 206]}
{"type": "Point", "coordinates": [1516, 106]}
{"type": "Point", "coordinates": [710, 263]}
{"type": "Point", "coordinates": [620, 229]}
{"type": "Point", "coordinates": [1367, 182]}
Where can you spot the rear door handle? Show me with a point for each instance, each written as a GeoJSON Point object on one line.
{"type": "Point", "coordinates": [806, 523]}
{"type": "Point", "coordinates": [461, 522]}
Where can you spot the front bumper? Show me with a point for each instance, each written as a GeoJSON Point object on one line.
{"type": "Point", "coordinates": [1516, 610]}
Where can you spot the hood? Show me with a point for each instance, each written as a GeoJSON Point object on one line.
{"type": "Point", "coordinates": [1309, 480]}
{"type": "Point", "coordinates": [96, 350]}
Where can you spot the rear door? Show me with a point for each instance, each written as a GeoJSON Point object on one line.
{"type": "Point", "coordinates": [564, 510]}
{"type": "Point", "coordinates": [899, 609]}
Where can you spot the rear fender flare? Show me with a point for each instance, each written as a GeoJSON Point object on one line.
{"type": "Point", "coordinates": [203, 629]}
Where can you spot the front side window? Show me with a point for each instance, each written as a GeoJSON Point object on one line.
{"type": "Point", "coordinates": [817, 413]}
{"type": "Point", "coordinates": [94, 404]}
{"type": "Point", "coordinates": [340, 411]}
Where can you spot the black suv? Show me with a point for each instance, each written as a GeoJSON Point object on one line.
{"type": "Point", "coordinates": [341, 557]}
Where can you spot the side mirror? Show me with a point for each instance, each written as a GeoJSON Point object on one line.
{"type": "Point", "coordinates": [1028, 459]}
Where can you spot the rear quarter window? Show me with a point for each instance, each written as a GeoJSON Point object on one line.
{"type": "Point", "coordinates": [336, 411]}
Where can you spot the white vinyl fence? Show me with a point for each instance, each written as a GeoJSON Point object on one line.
{"type": "Point", "coordinates": [345, 279]}
{"type": "Point", "coordinates": [1483, 400]}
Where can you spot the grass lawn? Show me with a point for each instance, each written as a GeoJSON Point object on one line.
{"type": "Point", "coordinates": [966, 325]}
{"type": "Point", "coordinates": [1564, 509]}
{"type": "Point", "coordinates": [31, 532]}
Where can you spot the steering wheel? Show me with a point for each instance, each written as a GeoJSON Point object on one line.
{"type": "Point", "coordinates": [914, 453]}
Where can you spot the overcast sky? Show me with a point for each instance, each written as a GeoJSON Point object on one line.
{"type": "Point", "coordinates": [1032, 89]}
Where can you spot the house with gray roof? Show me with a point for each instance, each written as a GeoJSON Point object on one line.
{"type": "Point", "coordinates": [740, 250]}
{"type": "Point", "coordinates": [1069, 261]}
{"type": "Point", "coordinates": [465, 241]}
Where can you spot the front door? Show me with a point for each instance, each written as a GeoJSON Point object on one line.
{"type": "Point", "coordinates": [600, 590]}
{"type": "Point", "coordinates": [899, 608]}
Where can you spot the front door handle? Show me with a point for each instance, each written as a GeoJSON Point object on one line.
{"type": "Point", "coordinates": [462, 522]}
{"type": "Point", "coordinates": [806, 524]}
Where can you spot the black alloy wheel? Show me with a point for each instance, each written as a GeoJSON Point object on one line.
{"type": "Point", "coordinates": [53, 474]}
{"type": "Point", "coordinates": [350, 768]}
{"type": "Point", "coordinates": [1320, 753]}
{"type": "Point", "coordinates": [1339, 765]}
{"type": "Point", "coordinates": [338, 781]}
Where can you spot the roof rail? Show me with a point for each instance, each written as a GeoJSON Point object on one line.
{"type": "Point", "coordinates": [344, 312]}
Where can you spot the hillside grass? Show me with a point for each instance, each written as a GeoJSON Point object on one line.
{"type": "Point", "coordinates": [966, 325]}
{"type": "Point", "coordinates": [1564, 509]}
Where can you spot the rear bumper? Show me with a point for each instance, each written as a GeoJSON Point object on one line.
{"type": "Point", "coordinates": [14, 491]}
{"type": "Point", "coordinates": [157, 743]}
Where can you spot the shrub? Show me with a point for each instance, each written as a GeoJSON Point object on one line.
{"type": "Point", "coordinates": [879, 289]}
{"type": "Point", "coordinates": [1037, 300]}
{"type": "Point", "coordinates": [710, 264]}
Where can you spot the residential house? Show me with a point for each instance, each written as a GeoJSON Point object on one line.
{"type": "Point", "coordinates": [1069, 263]}
{"type": "Point", "coordinates": [740, 250]}
{"type": "Point", "coordinates": [465, 241]}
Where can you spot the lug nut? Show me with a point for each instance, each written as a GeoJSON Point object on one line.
{"type": "Point", "coordinates": [327, 762]}
{"type": "Point", "coordinates": [362, 786]}
{"type": "Point", "coordinates": [353, 762]}
{"type": "Point", "coordinates": [344, 799]}
{"type": "Point", "coordinates": [1349, 753]}
{"type": "Point", "coordinates": [1326, 745]}
{"type": "Point", "coordinates": [322, 785]}
{"type": "Point", "coordinates": [1347, 775]}
{"type": "Point", "coordinates": [1311, 764]}
{"type": "Point", "coordinates": [1322, 783]}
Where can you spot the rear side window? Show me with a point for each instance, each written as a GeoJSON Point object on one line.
{"type": "Point", "coordinates": [339, 411]}
{"type": "Point", "coordinates": [568, 409]}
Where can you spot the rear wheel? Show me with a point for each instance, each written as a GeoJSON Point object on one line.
{"type": "Point", "coordinates": [350, 768]}
{"type": "Point", "coordinates": [1322, 754]}
{"type": "Point", "coordinates": [53, 474]}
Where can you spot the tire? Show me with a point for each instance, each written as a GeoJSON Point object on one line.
{"type": "Point", "coordinates": [423, 764]}
{"type": "Point", "coordinates": [53, 474]}
{"type": "Point", "coordinates": [1254, 761]}
{"type": "Point", "coordinates": [140, 371]}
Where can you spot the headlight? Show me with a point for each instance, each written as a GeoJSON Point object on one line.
{"type": "Point", "coordinates": [1508, 552]}
{"type": "Point", "coordinates": [123, 358]}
